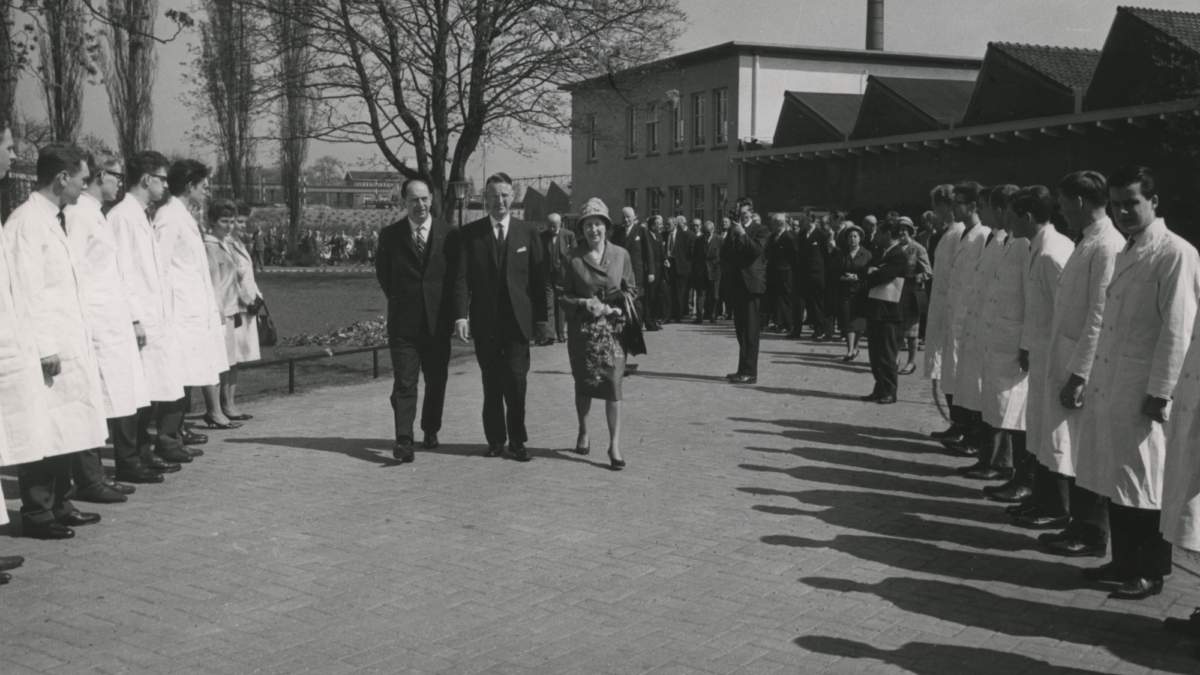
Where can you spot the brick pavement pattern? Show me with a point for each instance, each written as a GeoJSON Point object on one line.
{"type": "Point", "coordinates": [778, 528]}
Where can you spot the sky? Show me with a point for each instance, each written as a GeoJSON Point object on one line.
{"type": "Point", "coordinates": [951, 27]}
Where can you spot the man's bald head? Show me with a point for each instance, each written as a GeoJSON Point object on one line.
{"type": "Point", "coordinates": [629, 215]}
{"type": "Point", "coordinates": [555, 221]}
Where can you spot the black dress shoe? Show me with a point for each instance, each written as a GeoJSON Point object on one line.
{"type": "Point", "coordinates": [871, 398]}
{"type": "Point", "coordinates": [744, 379]}
{"type": "Point", "coordinates": [1108, 572]}
{"type": "Point", "coordinates": [964, 470]}
{"type": "Point", "coordinates": [733, 376]}
{"type": "Point", "coordinates": [1042, 521]}
{"type": "Point", "coordinates": [156, 463]}
{"type": "Point", "coordinates": [194, 452]}
{"type": "Point", "coordinates": [886, 399]}
{"type": "Point", "coordinates": [1189, 627]}
{"type": "Point", "coordinates": [101, 494]}
{"type": "Point", "coordinates": [192, 438]}
{"type": "Point", "coordinates": [989, 473]}
{"type": "Point", "coordinates": [993, 489]}
{"type": "Point", "coordinates": [1065, 535]}
{"type": "Point", "coordinates": [141, 475]}
{"type": "Point", "coordinates": [78, 518]}
{"type": "Point", "coordinates": [431, 441]}
{"type": "Point", "coordinates": [520, 452]}
{"type": "Point", "coordinates": [10, 562]}
{"type": "Point", "coordinates": [174, 455]}
{"type": "Point", "coordinates": [1025, 508]}
{"type": "Point", "coordinates": [494, 450]}
{"type": "Point", "coordinates": [1016, 494]}
{"type": "Point", "coordinates": [955, 431]}
{"type": "Point", "coordinates": [50, 529]}
{"type": "Point", "coordinates": [1138, 589]}
{"type": "Point", "coordinates": [1077, 548]}
{"type": "Point", "coordinates": [120, 487]}
{"type": "Point", "coordinates": [240, 418]}
{"type": "Point", "coordinates": [5, 577]}
{"type": "Point", "coordinates": [403, 452]}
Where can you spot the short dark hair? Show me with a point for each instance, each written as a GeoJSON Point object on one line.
{"type": "Point", "coordinates": [56, 158]}
{"type": "Point", "coordinates": [1124, 177]}
{"type": "Point", "coordinates": [221, 208]}
{"type": "Point", "coordinates": [243, 209]}
{"type": "Point", "coordinates": [183, 173]}
{"type": "Point", "coordinates": [1035, 200]}
{"type": "Point", "coordinates": [143, 163]}
{"type": "Point", "coordinates": [942, 194]}
{"type": "Point", "coordinates": [98, 162]}
{"type": "Point", "coordinates": [985, 194]}
{"type": "Point", "coordinates": [1089, 186]}
{"type": "Point", "coordinates": [968, 190]}
{"type": "Point", "coordinates": [1001, 195]}
{"type": "Point", "coordinates": [498, 178]}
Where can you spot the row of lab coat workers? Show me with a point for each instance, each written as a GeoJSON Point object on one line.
{"type": "Point", "coordinates": [1120, 315]}
{"type": "Point", "coordinates": [72, 284]}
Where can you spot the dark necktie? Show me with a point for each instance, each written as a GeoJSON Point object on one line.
{"type": "Point", "coordinates": [62, 222]}
{"type": "Point", "coordinates": [1129, 246]}
{"type": "Point", "coordinates": [420, 244]}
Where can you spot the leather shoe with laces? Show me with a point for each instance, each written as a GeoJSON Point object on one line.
{"type": "Point", "coordinates": [1042, 521]}
{"type": "Point", "coordinates": [10, 562]}
{"type": "Point", "coordinates": [886, 399]}
{"type": "Point", "coordinates": [77, 518]}
{"type": "Point", "coordinates": [494, 450]}
{"type": "Point", "coordinates": [1138, 589]}
{"type": "Point", "coordinates": [1017, 494]}
{"type": "Point", "coordinates": [1065, 535]}
{"type": "Point", "coordinates": [733, 376]}
{"type": "Point", "coordinates": [174, 455]}
{"type": "Point", "coordinates": [989, 473]}
{"type": "Point", "coordinates": [431, 440]}
{"type": "Point", "coordinates": [744, 379]}
{"type": "Point", "coordinates": [1023, 509]}
{"type": "Point", "coordinates": [871, 398]}
{"type": "Point", "coordinates": [1108, 573]}
{"type": "Point", "coordinates": [50, 529]}
{"type": "Point", "coordinates": [156, 463]}
{"type": "Point", "coordinates": [101, 494]}
{"type": "Point", "coordinates": [120, 487]}
{"type": "Point", "coordinates": [403, 452]}
{"type": "Point", "coordinates": [192, 438]}
{"type": "Point", "coordinates": [193, 451]}
{"type": "Point", "coordinates": [140, 475]}
{"type": "Point", "coordinates": [520, 452]}
{"type": "Point", "coordinates": [1077, 548]}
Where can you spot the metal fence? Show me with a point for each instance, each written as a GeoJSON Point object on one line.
{"type": "Point", "coordinates": [292, 361]}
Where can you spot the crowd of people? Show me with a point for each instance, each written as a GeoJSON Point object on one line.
{"type": "Point", "coordinates": [114, 306]}
{"type": "Point", "coordinates": [267, 246]}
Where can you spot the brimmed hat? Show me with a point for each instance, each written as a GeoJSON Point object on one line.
{"type": "Point", "coordinates": [845, 233]}
{"type": "Point", "coordinates": [595, 208]}
{"type": "Point", "coordinates": [907, 223]}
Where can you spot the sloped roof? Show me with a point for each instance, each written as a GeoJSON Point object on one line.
{"type": "Point", "coordinates": [1183, 26]}
{"type": "Point", "coordinates": [374, 175]}
{"type": "Point", "coordinates": [1070, 67]}
{"type": "Point", "coordinates": [566, 189]}
{"type": "Point", "coordinates": [840, 111]}
{"type": "Point", "coordinates": [943, 100]}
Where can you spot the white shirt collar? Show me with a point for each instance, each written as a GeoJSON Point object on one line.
{"type": "Point", "coordinates": [424, 225]}
{"type": "Point", "coordinates": [500, 222]}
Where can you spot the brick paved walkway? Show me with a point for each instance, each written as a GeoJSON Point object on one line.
{"type": "Point", "coordinates": [784, 527]}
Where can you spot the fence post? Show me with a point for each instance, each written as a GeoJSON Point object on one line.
{"type": "Point", "coordinates": [291, 376]}
{"type": "Point", "coordinates": [375, 362]}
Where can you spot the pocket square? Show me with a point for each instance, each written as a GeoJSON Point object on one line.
{"type": "Point", "coordinates": [521, 250]}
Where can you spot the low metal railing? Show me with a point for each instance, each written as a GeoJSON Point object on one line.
{"type": "Point", "coordinates": [292, 361]}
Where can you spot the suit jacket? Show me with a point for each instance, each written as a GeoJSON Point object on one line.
{"type": "Point", "coordinates": [782, 250]}
{"type": "Point", "coordinates": [744, 261]}
{"type": "Point", "coordinates": [680, 253]}
{"type": "Point", "coordinates": [706, 258]}
{"type": "Point", "coordinates": [893, 265]}
{"type": "Point", "coordinates": [658, 246]}
{"type": "Point", "coordinates": [810, 254]}
{"type": "Point", "coordinates": [637, 242]}
{"type": "Point", "coordinates": [555, 255]}
{"type": "Point", "coordinates": [483, 280]}
{"type": "Point", "coordinates": [419, 289]}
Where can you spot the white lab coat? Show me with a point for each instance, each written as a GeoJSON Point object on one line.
{"type": "Point", "coordinates": [47, 272]}
{"type": "Point", "coordinates": [197, 322]}
{"type": "Point", "coordinates": [1181, 480]}
{"type": "Point", "coordinates": [102, 288]}
{"type": "Point", "coordinates": [966, 260]}
{"type": "Point", "coordinates": [149, 296]}
{"type": "Point", "coordinates": [1005, 385]}
{"type": "Point", "coordinates": [1144, 337]}
{"type": "Point", "coordinates": [935, 319]}
{"type": "Point", "coordinates": [1049, 252]}
{"type": "Point", "coordinates": [245, 337]}
{"type": "Point", "coordinates": [24, 435]}
{"type": "Point", "coordinates": [968, 375]}
{"type": "Point", "coordinates": [1075, 331]}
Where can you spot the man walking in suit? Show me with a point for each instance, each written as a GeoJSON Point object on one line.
{"type": "Point", "coordinates": [415, 266]}
{"type": "Point", "coordinates": [706, 271]}
{"type": "Point", "coordinates": [556, 244]}
{"type": "Point", "coordinates": [679, 268]}
{"type": "Point", "coordinates": [744, 263]}
{"type": "Point", "coordinates": [884, 315]}
{"type": "Point", "coordinates": [781, 251]}
{"type": "Point", "coordinates": [635, 239]}
{"type": "Point", "coordinates": [501, 288]}
{"type": "Point", "coordinates": [808, 276]}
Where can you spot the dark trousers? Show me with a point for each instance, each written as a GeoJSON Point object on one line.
{"type": "Point", "coordinates": [1137, 544]}
{"type": "Point", "coordinates": [747, 318]}
{"type": "Point", "coordinates": [168, 422]}
{"type": "Point", "coordinates": [779, 297]}
{"type": "Point", "coordinates": [556, 318]}
{"type": "Point", "coordinates": [1025, 465]}
{"type": "Point", "coordinates": [45, 487]}
{"type": "Point", "coordinates": [679, 293]}
{"type": "Point", "coordinates": [86, 468]}
{"type": "Point", "coordinates": [127, 442]}
{"type": "Point", "coordinates": [883, 343]}
{"type": "Point", "coordinates": [427, 354]}
{"type": "Point", "coordinates": [706, 298]}
{"type": "Point", "coordinates": [658, 300]}
{"type": "Point", "coordinates": [813, 292]}
{"type": "Point", "coordinates": [504, 365]}
{"type": "Point", "coordinates": [999, 447]}
{"type": "Point", "coordinates": [1089, 514]}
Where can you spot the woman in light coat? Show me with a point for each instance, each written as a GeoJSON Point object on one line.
{"type": "Point", "coordinates": [222, 218]}
{"type": "Point", "coordinates": [245, 336]}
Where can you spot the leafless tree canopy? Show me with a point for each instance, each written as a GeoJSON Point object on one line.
{"type": "Point", "coordinates": [130, 67]}
{"type": "Point", "coordinates": [295, 109]}
{"type": "Point", "coordinates": [64, 46]}
{"type": "Point", "coordinates": [230, 97]}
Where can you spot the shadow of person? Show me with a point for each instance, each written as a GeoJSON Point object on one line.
{"type": "Point", "coordinates": [374, 450]}
{"type": "Point", "coordinates": [683, 377]}
{"type": "Point", "coordinates": [838, 433]}
{"type": "Point", "coordinates": [808, 393]}
{"type": "Point", "coordinates": [925, 558]}
{"type": "Point", "coordinates": [865, 460]}
{"type": "Point", "coordinates": [799, 359]}
{"type": "Point", "coordinates": [880, 506]}
{"type": "Point", "coordinates": [1140, 640]}
{"type": "Point", "coordinates": [927, 658]}
{"type": "Point", "coordinates": [871, 480]}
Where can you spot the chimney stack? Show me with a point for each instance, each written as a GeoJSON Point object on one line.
{"type": "Point", "coordinates": [875, 25]}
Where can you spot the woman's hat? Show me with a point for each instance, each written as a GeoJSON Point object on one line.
{"type": "Point", "coordinates": [906, 223]}
{"type": "Point", "coordinates": [845, 233]}
{"type": "Point", "coordinates": [595, 208]}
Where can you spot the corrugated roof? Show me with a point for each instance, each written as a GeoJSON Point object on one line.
{"type": "Point", "coordinates": [1183, 26]}
{"type": "Point", "coordinates": [839, 110]}
{"type": "Point", "coordinates": [943, 100]}
{"type": "Point", "coordinates": [1072, 68]}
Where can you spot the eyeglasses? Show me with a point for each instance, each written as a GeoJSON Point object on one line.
{"type": "Point", "coordinates": [119, 176]}
{"type": "Point", "coordinates": [162, 177]}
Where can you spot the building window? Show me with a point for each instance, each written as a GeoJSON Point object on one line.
{"type": "Point", "coordinates": [720, 193]}
{"type": "Point", "coordinates": [677, 127]}
{"type": "Point", "coordinates": [652, 129]}
{"type": "Point", "coordinates": [721, 116]}
{"type": "Point", "coordinates": [698, 202]}
{"type": "Point", "coordinates": [631, 131]}
{"type": "Point", "coordinates": [591, 138]}
{"type": "Point", "coordinates": [631, 198]}
{"type": "Point", "coordinates": [697, 120]}
{"type": "Point", "coordinates": [654, 200]}
{"type": "Point", "coordinates": [676, 201]}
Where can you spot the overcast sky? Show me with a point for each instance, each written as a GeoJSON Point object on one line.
{"type": "Point", "coordinates": [957, 27]}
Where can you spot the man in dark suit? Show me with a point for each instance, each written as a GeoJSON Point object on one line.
{"type": "Point", "coordinates": [809, 275]}
{"type": "Point", "coordinates": [706, 271]}
{"type": "Point", "coordinates": [556, 245]}
{"type": "Point", "coordinates": [656, 290]}
{"type": "Point", "coordinates": [884, 315]}
{"type": "Point", "coordinates": [781, 252]}
{"type": "Point", "coordinates": [415, 266]}
{"type": "Point", "coordinates": [679, 268]}
{"type": "Point", "coordinates": [635, 239]}
{"type": "Point", "coordinates": [743, 282]}
{"type": "Point", "coordinates": [501, 287]}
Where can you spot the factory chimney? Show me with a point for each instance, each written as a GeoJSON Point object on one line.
{"type": "Point", "coordinates": [875, 25]}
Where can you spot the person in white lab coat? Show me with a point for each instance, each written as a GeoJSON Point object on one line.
{"type": "Point", "coordinates": [1145, 334]}
{"type": "Point", "coordinates": [1075, 330]}
{"type": "Point", "coordinates": [149, 296]}
{"type": "Point", "coordinates": [942, 200]}
{"type": "Point", "coordinates": [1031, 209]}
{"type": "Point", "coordinates": [102, 288]}
{"type": "Point", "coordinates": [250, 301]}
{"type": "Point", "coordinates": [47, 273]}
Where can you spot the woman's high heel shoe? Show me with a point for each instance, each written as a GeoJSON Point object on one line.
{"type": "Point", "coordinates": [617, 464]}
{"type": "Point", "coordinates": [583, 451]}
{"type": "Point", "coordinates": [211, 423]}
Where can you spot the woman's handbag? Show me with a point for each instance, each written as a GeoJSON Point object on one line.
{"type": "Point", "coordinates": [632, 340]}
{"type": "Point", "coordinates": [267, 335]}
{"type": "Point", "coordinates": [922, 300]}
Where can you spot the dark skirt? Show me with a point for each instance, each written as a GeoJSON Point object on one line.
{"type": "Point", "coordinates": [609, 387]}
{"type": "Point", "coordinates": [910, 324]}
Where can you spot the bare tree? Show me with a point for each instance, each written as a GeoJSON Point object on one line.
{"type": "Point", "coordinates": [130, 67]}
{"type": "Point", "coordinates": [326, 170]}
{"type": "Point", "coordinates": [66, 50]}
{"type": "Point", "coordinates": [295, 108]}
{"type": "Point", "coordinates": [229, 97]}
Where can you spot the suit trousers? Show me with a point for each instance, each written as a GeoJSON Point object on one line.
{"type": "Point", "coordinates": [45, 487]}
{"type": "Point", "coordinates": [504, 366]}
{"type": "Point", "coordinates": [1089, 514]}
{"type": "Point", "coordinates": [779, 297]}
{"type": "Point", "coordinates": [124, 432]}
{"type": "Point", "coordinates": [168, 422]}
{"type": "Point", "coordinates": [86, 468]}
{"type": "Point", "coordinates": [556, 318]}
{"type": "Point", "coordinates": [706, 298]}
{"type": "Point", "coordinates": [747, 319]}
{"type": "Point", "coordinates": [679, 294]}
{"type": "Point", "coordinates": [812, 290]}
{"type": "Point", "coordinates": [883, 343]}
{"type": "Point", "coordinates": [661, 305]}
{"type": "Point", "coordinates": [423, 353]}
{"type": "Point", "coordinates": [1138, 546]}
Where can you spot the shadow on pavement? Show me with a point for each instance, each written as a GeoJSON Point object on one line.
{"type": "Point", "coordinates": [677, 376]}
{"type": "Point", "coordinates": [374, 450]}
{"type": "Point", "coordinates": [837, 433]}
{"type": "Point", "coordinates": [871, 480]}
{"type": "Point", "coordinates": [865, 460]}
{"type": "Point", "coordinates": [927, 658]}
{"type": "Point", "coordinates": [822, 361]}
{"type": "Point", "coordinates": [1140, 640]}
